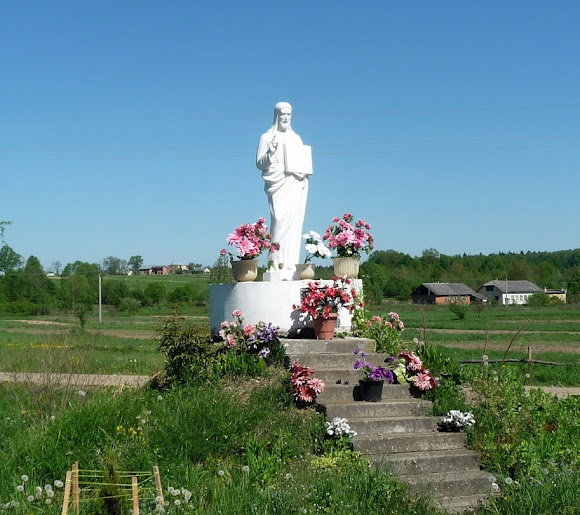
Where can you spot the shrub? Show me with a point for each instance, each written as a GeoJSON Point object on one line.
{"type": "Point", "coordinates": [458, 309]}
{"type": "Point", "coordinates": [188, 350]}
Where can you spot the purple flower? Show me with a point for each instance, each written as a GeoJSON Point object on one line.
{"type": "Point", "coordinates": [356, 351]}
{"type": "Point", "coordinates": [378, 373]}
{"type": "Point", "coordinates": [264, 352]}
{"type": "Point", "coordinates": [358, 364]}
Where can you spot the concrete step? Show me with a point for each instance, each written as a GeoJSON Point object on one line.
{"type": "Point", "coordinates": [381, 426]}
{"type": "Point", "coordinates": [349, 392]}
{"type": "Point", "coordinates": [408, 442]}
{"type": "Point", "coordinates": [462, 504]}
{"type": "Point", "coordinates": [411, 463]}
{"type": "Point", "coordinates": [393, 408]}
{"type": "Point", "coordinates": [334, 360]}
{"type": "Point", "coordinates": [336, 345]}
{"type": "Point", "coordinates": [450, 484]}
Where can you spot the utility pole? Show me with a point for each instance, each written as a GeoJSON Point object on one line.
{"type": "Point", "coordinates": [100, 299]}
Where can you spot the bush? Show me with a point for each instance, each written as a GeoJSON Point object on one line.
{"type": "Point", "coordinates": [129, 305]}
{"type": "Point", "coordinates": [458, 309]}
{"type": "Point", "coordinates": [188, 350]}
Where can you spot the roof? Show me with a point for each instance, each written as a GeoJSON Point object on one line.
{"type": "Point", "coordinates": [447, 289]}
{"type": "Point", "coordinates": [514, 286]}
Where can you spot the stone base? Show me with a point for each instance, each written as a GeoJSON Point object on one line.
{"type": "Point", "coordinates": [268, 302]}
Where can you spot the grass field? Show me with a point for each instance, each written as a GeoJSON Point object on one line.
{"type": "Point", "coordinates": [123, 344]}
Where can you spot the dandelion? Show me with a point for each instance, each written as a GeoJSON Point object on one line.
{"type": "Point", "coordinates": [52, 417]}
{"type": "Point", "coordinates": [30, 498]}
{"type": "Point", "coordinates": [484, 357]}
{"type": "Point", "coordinates": [527, 376]}
{"type": "Point", "coordinates": [38, 490]}
{"type": "Point", "coordinates": [160, 397]}
{"type": "Point", "coordinates": [48, 487]}
{"type": "Point", "coordinates": [50, 493]}
{"type": "Point", "coordinates": [48, 501]}
{"type": "Point", "coordinates": [177, 502]}
{"type": "Point", "coordinates": [20, 488]}
{"type": "Point", "coordinates": [245, 468]}
{"type": "Point", "coordinates": [288, 475]}
{"type": "Point", "coordinates": [158, 499]}
{"type": "Point", "coordinates": [509, 481]}
{"type": "Point", "coordinates": [24, 478]}
{"type": "Point", "coordinates": [82, 393]}
{"type": "Point", "coordinates": [58, 483]}
{"type": "Point", "coordinates": [221, 473]}
{"type": "Point", "coordinates": [495, 487]}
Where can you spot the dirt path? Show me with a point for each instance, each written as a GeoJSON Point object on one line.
{"type": "Point", "coordinates": [517, 347]}
{"type": "Point", "coordinates": [74, 380]}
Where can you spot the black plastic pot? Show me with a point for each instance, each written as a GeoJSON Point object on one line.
{"type": "Point", "coordinates": [371, 391]}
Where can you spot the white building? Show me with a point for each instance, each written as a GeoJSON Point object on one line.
{"type": "Point", "coordinates": [509, 292]}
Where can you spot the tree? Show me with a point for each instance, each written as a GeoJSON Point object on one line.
{"type": "Point", "coordinates": [3, 226]}
{"type": "Point", "coordinates": [56, 267]}
{"type": "Point", "coordinates": [155, 292]}
{"type": "Point", "coordinates": [194, 267]}
{"type": "Point", "coordinates": [113, 265]}
{"type": "Point", "coordinates": [135, 263]}
{"type": "Point", "coordinates": [374, 280]}
{"type": "Point", "coordinates": [9, 260]}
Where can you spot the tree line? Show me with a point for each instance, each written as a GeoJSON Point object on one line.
{"type": "Point", "coordinates": [393, 274]}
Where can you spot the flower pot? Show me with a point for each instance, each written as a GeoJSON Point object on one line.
{"type": "Point", "coordinates": [324, 327]}
{"type": "Point", "coordinates": [346, 266]}
{"type": "Point", "coordinates": [305, 270]}
{"type": "Point", "coordinates": [371, 391]}
{"type": "Point", "coordinates": [245, 270]}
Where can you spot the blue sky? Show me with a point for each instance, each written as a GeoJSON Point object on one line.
{"type": "Point", "coordinates": [130, 127]}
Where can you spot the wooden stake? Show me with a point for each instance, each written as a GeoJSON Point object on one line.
{"type": "Point", "coordinates": [75, 486]}
{"type": "Point", "coordinates": [158, 487]}
{"type": "Point", "coordinates": [67, 485]}
{"type": "Point", "coordinates": [135, 495]}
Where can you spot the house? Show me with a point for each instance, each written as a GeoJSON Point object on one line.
{"type": "Point", "coordinates": [207, 270]}
{"type": "Point", "coordinates": [446, 293]}
{"type": "Point", "coordinates": [558, 294]}
{"type": "Point", "coordinates": [154, 270]}
{"type": "Point", "coordinates": [509, 292]}
{"type": "Point", "coordinates": [176, 268]}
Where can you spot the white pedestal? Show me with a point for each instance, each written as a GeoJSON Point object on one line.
{"type": "Point", "coordinates": [267, 302]}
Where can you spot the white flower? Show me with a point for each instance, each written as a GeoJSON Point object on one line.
{"type": "Point", "coordinates": [160, 397]}
{"type": "Point", "coordinates": [495, 487]}
{"type": "Point", "coordinates": [20, 488]}
{"type": "Point", "coordinates": [158, 499]}
{"type": "Point", "coordinates": [58, 483]}
{"type": "Point", "coordinates": [82, 393]}
{"type": "Point", "coordinates": [38, 490]}
{"type": "Point", "coordinates": [245, 468]}
{"type": "Point", "coordinates": [50, 493]}
{"type": "Point", "coordinates": [48, 487]}
{"type": "Point", "coordinates": [186, 494]}
{"type": "Point", "coordinates": [221, 472]}
{"type": "Point", "coordinates": [484, 357]}
{"type": "Point", "coordinates": [52, 417]}
{"type": "Point", "coordinates": [30, 498]}
{"type": "Point", "coordinates": [176, 492]}
{"type": "Point", "coordinates": [24, 478]}
{"type": "Point", "coordinates": [509, 481]}
{"type": "Point", "coordinates": [177, 502]}
{"type": "Point", "coordinates": [48, 501]}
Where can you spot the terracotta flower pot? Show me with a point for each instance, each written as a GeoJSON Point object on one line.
{"type": "Point", "coordinates": [371, 391]}
{"type": "Point", "coordinates": [346, 266]}
{"type": "Point", "coordinates": [245, 270]}
{"type": "Point", "coordinates": [324, 327]}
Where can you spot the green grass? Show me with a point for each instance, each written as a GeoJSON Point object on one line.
{"type": "Point", "coordinates": [202, 439]}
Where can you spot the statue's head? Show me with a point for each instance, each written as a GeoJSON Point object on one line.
{"type": "Point", "coordinates": [283, 116]}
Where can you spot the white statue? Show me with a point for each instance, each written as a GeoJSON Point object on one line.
{"type": "Point", "coordinates": [286, 164]}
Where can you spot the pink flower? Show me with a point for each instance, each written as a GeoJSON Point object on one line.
{"type": "Point", "coordinates": [335, 219]}
{"type": "Point", "coordinates": [401, 325]}
{"type": "Point", "coordinates": [317, 385]}
{"type": "Point", "coordinates": [230, 342]}
{"type": "Point", "coordinates": [424, 381]}
{"type": "Point", "coordinates": [248, 329]}
{"type": "Point", "coordinates": [238, 313]}
{"type": "Point", "coordinates": [261, 220]}
{"type": "Point", "coordinates": [224, 324]}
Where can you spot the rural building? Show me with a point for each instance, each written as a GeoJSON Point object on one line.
{"type": "Point", "coordinates": [207, 270]}
{"type": "Point", "coordinates": [175, 268]}
{"type": "Point", "coordinates": [446, 293]}
{"type": "Point", "coordinates": [559, 294]}
{"type": "Point", "coordinates": [509, 292]}
{"type": "Point", "coordinates": [154, 270]}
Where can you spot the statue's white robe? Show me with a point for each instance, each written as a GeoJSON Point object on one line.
{"type": "Point", "coordinates": [287, 195]}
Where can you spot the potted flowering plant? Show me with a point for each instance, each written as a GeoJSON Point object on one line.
{"type": "Point", "coordinates": [322, 302]}
{"type": "Point", "coordinates": [250, 241]}
{"type": "Point", "coordinates": [371, 385]}
{"type": "Point", "coordinates": [411, 371]}
{"type": "Point", "coordinates": [315, 247]}
{"type": "Point", "coordinates": [348, 241]}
